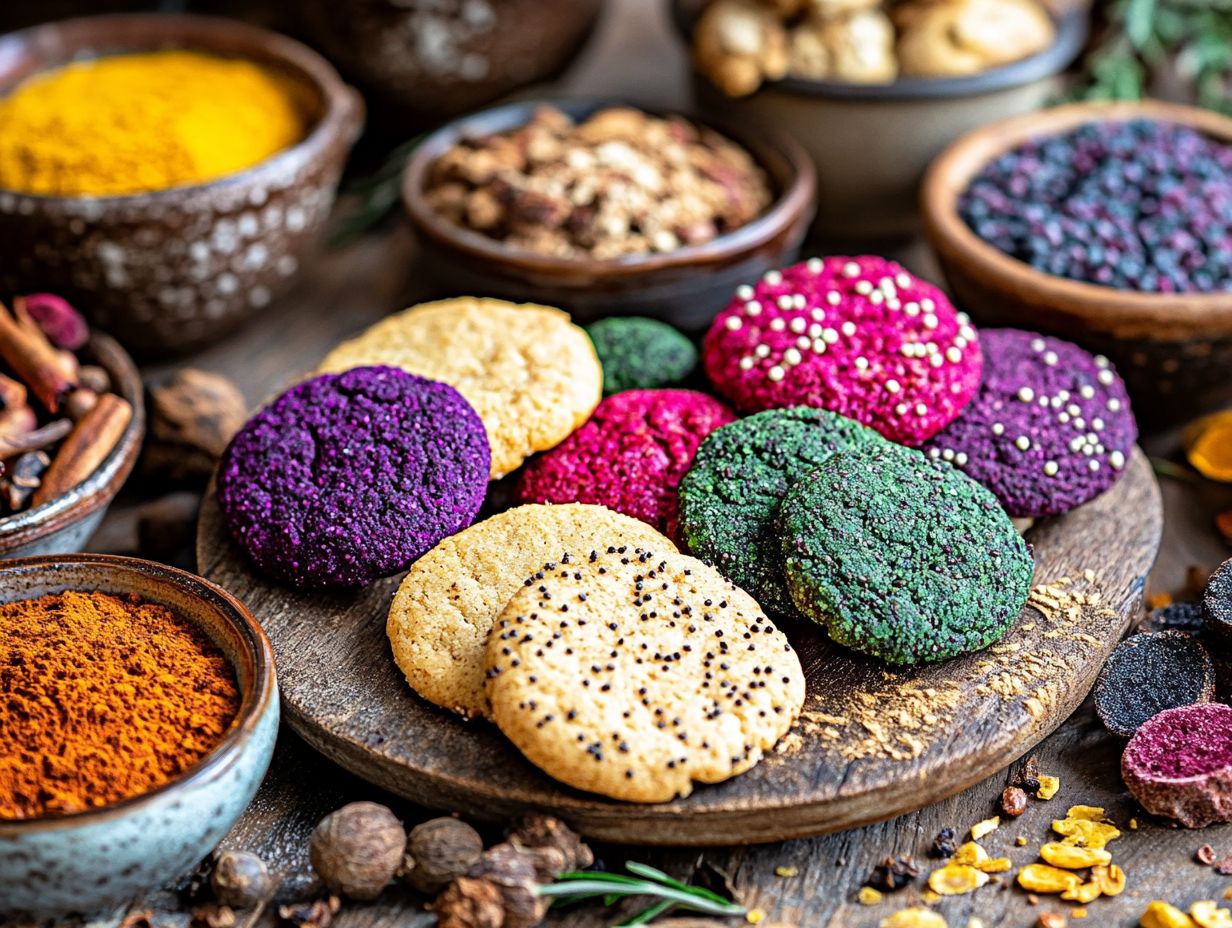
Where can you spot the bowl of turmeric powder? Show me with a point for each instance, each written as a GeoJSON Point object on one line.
{"type": "Point", "coordinates": [167, 174]}
{"type": "Point", "coordinates": [141, 711]}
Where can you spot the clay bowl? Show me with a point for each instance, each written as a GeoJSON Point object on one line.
{"type": "Point", "coordinates": [87, 861]}
{"type": "Point", "coordinates": [476, 54]}
{"type": "Point", "coordinates": [66, 523]}
{"type": "Point", "coordinates": [686, 287]}
{"type": "Point", "coordinates": [1174, 350]}
{"type": "Point", "coordinates": [170, 271]}
{"type": "Point", "coordinates": [872, 142]}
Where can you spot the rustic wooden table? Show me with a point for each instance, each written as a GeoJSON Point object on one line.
{"type": "Point", "coordinates": [634, 56]}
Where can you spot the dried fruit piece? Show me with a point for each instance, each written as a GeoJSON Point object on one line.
{"type": "Point", "coordinates": [1041, 878]}
{"type": "Point", "coordinates": [1089, 813]}
{"type": "Point", "coordinates": [1048, 786]}
{"type": "Point", "coordinates": [914, 917]}
{"type": "Point", "coordinates": [1179, 764]}
{"type": "Point", "coordinates": [1208, 445]}
{"type": "Point", "coordinates": [1208, 915]}
{"type": "Point", "coordinates": [956, 879]}
{"type": "Point", "coordinates": [986, 827]}
{"type": "Point", "coordinates": [1071, 857]}
{"type": "Point", "coordinates": [1111, 879]}
{"type": "Point", "coordinates": [1162, 915]}
{"type": "Point", "coordinates": [993, 865]}
{"type": "Point", "coordinates": [1087, 892]}
{"type": "Point", "coordinates": [1013, 801]}
{"type": "Point", "coordinates": [1085, 832]}
{"type": "Point", "coordinates": [868, 896]}
{"type": "Point", "coordinates": [1149, 673]}
{"type": "Point", "coordinates": [970, 854]}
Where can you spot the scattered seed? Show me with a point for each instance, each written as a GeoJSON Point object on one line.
{"type": "Point", "coordinates": [986, 827]}
{"type": "Point", "coordinates": [868, 896]}
{"type": "Point", "coordinates": [786, 871]}
{"type": "Point", "coordinates": [1205, 855]}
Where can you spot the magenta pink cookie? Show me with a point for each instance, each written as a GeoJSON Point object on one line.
{"type": "Point", "coordinates": [629, 456]}
{"type": "Point", "coordinates": [858, 336]}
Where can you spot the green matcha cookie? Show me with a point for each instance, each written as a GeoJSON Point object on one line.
{"type": "Point", "coordinates": [640, 354]}
{"type": "Point", "coordinates": [902, 557]}
{"type": "Point", "coordinates": [730, 497]}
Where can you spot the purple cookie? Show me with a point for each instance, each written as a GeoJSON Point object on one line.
{"type": "Point", "coordinates": [349, 477]}
{"type": "Point", "coordinates": [1179, 764]}
{"type": "Point", "coordinates": [1049, 429]}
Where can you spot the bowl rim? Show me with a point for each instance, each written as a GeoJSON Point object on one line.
{"type": "Point", "coordinates": [342, 109]}
{"type": "Point", "coordinates": [798, 195]}
{"type": "Point", "coordinates": [957, 244]}
{"type": "Point", "coordinates": [102, 485]}
{"type": "Point", "coordinates": [1072, 28]}
{"type": "Point", "coordinates": [254, 703]}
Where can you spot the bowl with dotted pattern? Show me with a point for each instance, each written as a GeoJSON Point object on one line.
{"type": "Point", "coordinates": [169, 271]}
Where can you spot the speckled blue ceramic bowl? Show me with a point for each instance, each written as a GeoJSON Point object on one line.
{"type": "Point", "coordinates": [85, 862]}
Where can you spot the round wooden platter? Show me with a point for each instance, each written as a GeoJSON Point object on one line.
{"type": "Point", "coordinates": [871, 744]}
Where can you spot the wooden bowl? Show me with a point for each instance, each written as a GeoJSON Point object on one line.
{"type": "Point", "coordinates": [1174, 350]}
{"type": "Point", "coordinates": [169, 271]}
{"type": "Point", "coordinates": [872, 142]}
{"type": "Point", "coordinates": [66, 523]}
{"type": "Point", "coordinates": [685, 287]}
{"type": "Point", "coordinates": [87, 861]}
{"type": "Point", "coordinates": [432, 64]}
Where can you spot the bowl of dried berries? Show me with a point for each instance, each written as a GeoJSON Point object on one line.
{"type": "Point", "coordinates": [873, 89]}
{"type": "Point", "coordinates": [71, 421]}
{"type": "Point", "coordinates": [604, 209]}
{"type": "Point", "coordinates": [141, 711]}
{"type": "Point", "coordinates": [1109, 224]}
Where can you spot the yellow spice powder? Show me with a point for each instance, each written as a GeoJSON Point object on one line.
{"type": "Point", "coordinates": [142, 122]}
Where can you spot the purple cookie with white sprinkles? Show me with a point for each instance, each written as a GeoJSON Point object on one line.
{"type": "Point", "coordinates": [346, 478]}
{"type": "Point", "coordinates": [1050, 428]}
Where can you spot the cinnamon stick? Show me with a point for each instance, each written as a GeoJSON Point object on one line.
{"type": "Point", "coordinates": [93, 437]}
{"type": "Point", "coordinates": [49, 372]}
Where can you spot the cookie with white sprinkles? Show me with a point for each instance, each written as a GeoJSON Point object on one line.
{"type": "Point", "coordinates": [1049, 429]}
{"type": "Point", "coordinates": [635, 674]}
{"type": "Point", "coordinates": [857, 336]}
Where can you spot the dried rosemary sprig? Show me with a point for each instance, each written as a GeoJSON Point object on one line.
{"type": "Point", "coordinates": [579, 886]}
{"type": "Point", "coordinates": [377, 195]}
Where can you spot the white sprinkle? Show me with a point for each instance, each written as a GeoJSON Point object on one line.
{"type": "Point", "coordinates": [960, 342]}
{"type": "Point", "coordinates": [753, 308]}
{"type": "Point", "coordinates": [953, 355]}
{"type": "Point", "coordinates": [1080, 423]}
{"type": "Point", "coordinates": [1086, 391]}
{"type": "Point", "coordinates": [762, 351]}
{"type": "Point", "coordinates": [962, 318]}
{"type": "Point", "coordinates": [777, 324]}
{"type": "Point", "coordinates": [848, 328]}
{"type": "Point", "coordinates": [927, 305]}
{"type": "Point", "coordinates": [1043, 401]}
{"type": "Point", "coordinates": [792, 356]}
{"type": "Point", "coordinates": [746, 363]}
{"type": "Point", "coordinates": [930, 321]}
{"type": "Point", "coordinates": [967, 332]}
{"type": "Point", "coordinates": [851, 269]}
{"type": "Point", "coordinates": [934, 453]}
{"type": "Point", "coordinates": [861, 364]}
{"type": "Point", "coordinates": [1023, 443]}
{"type": "Point", "coordinates": [774, 278]}
{"type": "Point", "coordinates": [799, 324]}
{"type": "Point", "coordinates": [817, 314]}
{"type": "Point", "coordinates": [912, 309]}
{"type": "Point", "coordinates": [1117, 460]}
{"type": "Point", "coordinates": [876, 298]}
{"type": "Point", "coordinates": [1101, 361]}
{"type": "Point", "coordinates": [1106, 377]}
{"type": "Point", "coordinates": [1097, 424]}
{"type": "Point", "coordinates": [798, 301]}
{"type": "Point", "coordinates": [936, 360]}
{"type": "Point", "coordinates": [1037, 344]}
{"type": "Point", "coordinates": [834, 298]}
{"type": "Point", "coordinates": [1055, 402]}
{"type": "Point", "coordinates": [814, 265]}
{"type": "Point", "coordinates": [784, 301]}
{"type": "Point", "coordinates": [1093, 465]}
{"type": "Point", "coordinates": [921, 409]}
{"type": "Point", "coordinates": [1074, 409]}
{"type": "Point", "coordinates": [904, 280]}
{"type": "Point", "coordinates": [1063, 396]}
{"type": "Point", "coordinates": [1050, 358]}
{"type": "Point", "coordinates": [744, 292]}
{"type": "Point", "coordinates": [775, 373]}
{"type": "Point", "coordinates": [734, 323]}
{"type": "Point", "coordinates": [829, 336]}
{"type": "Point", "coordinates": [887, 286]}
{"type": "Point", "coordinates": [1114, 405]}
{"type": "Point", "coordinates": [900, 409]}
{"type": "Point", "coordinates": [931, 347]}
{"type": "Point", "coordinates": [960, 459]}
{"type": "Point", "coordinates": [1076, 443]}
{"type": "Point", "coordinates": [1063, 418]}
{"type": "Point", "coordinates": [814, 330]}
{"type": "Point", "coordinates": [893, 302]}
{"type": "Point", "coordinates": [864, 288]}
{"type": "Point", "coordinates": [803, 342]}
{"type": "Point", "coordinates": [819, 346]}
{"type": "Point", "coordinates": [998, 428]}
{"type": "Point", "coordinates": [1050, 468]}
{"type": "Point", "coordinates": [948, 454]}
{"type": "Point", "coordinates": [892, 386]}
{"type": "Point", "coordinates": [1026, 394]}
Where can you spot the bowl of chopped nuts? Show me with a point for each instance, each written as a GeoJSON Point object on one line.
{"type": "Point", "coordinates": [873, 90]}
{"type": "Point", "coordinates": [603, 209]}
{"type": "Point", "coordinates": [71, 421]}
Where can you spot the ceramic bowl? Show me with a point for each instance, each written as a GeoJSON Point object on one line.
{"type": "Point", "coordinates": [686, 287]}
{"type": "Point", "coordinates": [1174, 350]}
{"type": "Point", "coordinates": [88, 861]}
{"type": "Point", "coordinates": [434, 61]}
{"type": "Point", "coordinates": [169, 271]}
{"type": "Point", "coordinates": [872, 142]}
{"type": "Point", "coordinates": [66, 523]}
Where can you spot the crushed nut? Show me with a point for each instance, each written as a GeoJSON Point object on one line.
{"type": "Point", "coordinates": [1071, 857]}
{"type": "Point", "coordinates": [1133, 824]}
{"type": "Point", "coordinates": [986, 827]}
{"type": "Point", "coordinates": [1041, 878]}
{"type": "Point", "coordinates": [868, 896]}
{"type": "Point", "coordinates": [914, 917]}
{"type": "Point", "coordinates": [1020, 841]}
{"type": "Point", "coordinates": [1160, 914]}
{"type": "Point", "coordinates": [1208, 915]}
{"type": "Point", "coordinates": [956, 879]}
{"type": "Point", "coordinates": [1048, 786]}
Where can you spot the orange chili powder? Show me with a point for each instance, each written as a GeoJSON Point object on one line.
{"type": "Point", "coordinates": [103, 697]}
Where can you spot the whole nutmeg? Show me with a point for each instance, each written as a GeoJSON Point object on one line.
{"type": "Point", "coordinates": [241, 880]}
{"type": "Point", "coordinates": [192, 418]}
{"type": "Point", "coordinates": [358, 849]}
{"type": "Point", "coordinates": [438, 851]}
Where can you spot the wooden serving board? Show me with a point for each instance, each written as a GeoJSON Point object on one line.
{"type": "Point", "coordinates": [871, 744]}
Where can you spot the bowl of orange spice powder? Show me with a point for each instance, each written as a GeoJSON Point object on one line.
{"type": "Point", "coordinates": [167, 174]}
{"type": "Point", "coordinates": [140, 711]}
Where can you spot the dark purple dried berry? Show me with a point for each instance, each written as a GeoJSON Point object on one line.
{"type": "Point", "coordinates": [892, 874]}
{"type": "Point", "coordinates": [943, 844]}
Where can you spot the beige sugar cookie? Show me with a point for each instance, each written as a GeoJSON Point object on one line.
{"type": "Point", "coordinates": [635, 674]}
{"type": "Point", "coordinates": [530, 373]}
{"type": "Point", "coordinates": [441, 615]}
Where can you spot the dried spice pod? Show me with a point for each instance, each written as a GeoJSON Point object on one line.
{"type": "Point", "coordinates": [1149, 673]}
{"type": "Point", "coordinates": [1179, 764]}
{"type": "Point", "coordinates": [1217, 604]}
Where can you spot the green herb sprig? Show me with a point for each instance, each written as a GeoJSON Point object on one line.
{"type": "Point", "coordinates": [584, 885]}
{"type": "Point", "coordinates": [1193, 37]}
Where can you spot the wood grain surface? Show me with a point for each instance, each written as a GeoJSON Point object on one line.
{"type": "Point", "coordinates": [870, 745]}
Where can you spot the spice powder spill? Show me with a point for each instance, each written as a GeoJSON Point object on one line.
{"type": "Point", "coordinates": [105, 698]}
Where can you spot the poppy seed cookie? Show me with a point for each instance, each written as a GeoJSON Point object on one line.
{"type": "Point", "coordinates": [530, 373]}
{"type": "Point", "coordinates": [442, 613]}
{"type": "Point", "coordinates": [902, 557]}
{"type": "Point", "coordinates": [635, 674]}
{"type": "Point", "coordinates": [730, 497]}
{"type": "Point", "coordinates": [346, 478]}
{"type": "Point", "coordinates": [640, 354]}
